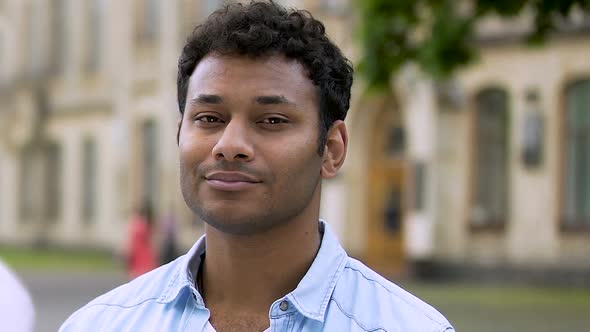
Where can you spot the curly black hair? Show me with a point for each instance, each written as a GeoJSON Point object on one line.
{"type": "Point", "coordinates": [264, 28]}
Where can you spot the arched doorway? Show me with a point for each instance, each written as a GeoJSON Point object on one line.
{"type": "Point", "coordinates": [386, 196]}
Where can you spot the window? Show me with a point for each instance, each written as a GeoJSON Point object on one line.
{"type": "Point", "coordinates": [3, 57]}
{"type": "Point", "coordinates": [396, 145]}
{"type": "Point", "coordinates": [40, 182]}
{"type": "Point", "coordinates": [89, 180]}
{"type": "Point", "coordinates": [53, 176]}
{"type": "Point", "coordinates": [58, 35]}
{"type": "Point", "coordinates": [419, 178]}
{"type": "Point", "coordinates": [150, 162]}
{"type": "Point", "coordinates": [26, 183]}
{"type": "Point", "coordinates": [34, 36]}
{"type": "Point", "coordinates": [147, 21]}
{"type": "Point", "coordinates": [490, 159]}
{"type": "Point", "coordinates": [576, 175]}
{"type": "Point", "coordinates": [95, 15]}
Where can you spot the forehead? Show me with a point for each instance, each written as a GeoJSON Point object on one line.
{"type": "Point", "coordinates": [217, 74]}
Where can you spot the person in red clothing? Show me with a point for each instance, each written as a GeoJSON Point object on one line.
{"type": "Point", "coordinates": [142, 254]}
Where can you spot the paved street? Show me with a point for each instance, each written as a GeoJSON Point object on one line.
{"type": "Point", "coordinates": [57, 295]}
{"type": "Point", "coordinates": [508, 308]}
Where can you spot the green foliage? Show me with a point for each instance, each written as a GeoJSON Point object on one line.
{"type": "Point", "coordinates": [448, 44]}
{"type": "Point", "coordinates": [438, 34]}
{"type": "Point", "coordinates": [23, 259]}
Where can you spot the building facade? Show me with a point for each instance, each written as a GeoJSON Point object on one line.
{"type": "Point", "coordinates": [490, 169]}
{"type": "Point", "coordinates": [493, 164]}
{"type": "Point", "coordinates": [88, 116]}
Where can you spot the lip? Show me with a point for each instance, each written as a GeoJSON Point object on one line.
{"type": "Point", "coordinates": [230, 181]}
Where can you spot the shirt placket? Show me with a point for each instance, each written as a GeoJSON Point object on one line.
{"type": "Point", "coordinates": [282, 313]}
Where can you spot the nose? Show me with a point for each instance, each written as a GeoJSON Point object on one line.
{"type": "Point", "coordinates": [234, 144]}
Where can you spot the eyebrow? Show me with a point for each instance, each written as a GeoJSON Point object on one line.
{"type": "Point", "coordinates": [263, 100]}
{"type": "Point", "coordinates": [207, 99]}
{"type": "Point", "coordinates": [273, 100]}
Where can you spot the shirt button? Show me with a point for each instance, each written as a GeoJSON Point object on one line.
{"type": "Point", "coordinates": [284, 306]}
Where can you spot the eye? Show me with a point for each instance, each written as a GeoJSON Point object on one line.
{"type": "Point", "coordinates": [274, 121]}
{"type": "Point", "coordinates": [207, 119]}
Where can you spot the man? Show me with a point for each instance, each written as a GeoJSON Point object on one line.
{"type": "Point", "coordinates": [262, 94]}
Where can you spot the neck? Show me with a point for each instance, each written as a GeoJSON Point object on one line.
{"type": "Point", "coordinates": [248, 273]}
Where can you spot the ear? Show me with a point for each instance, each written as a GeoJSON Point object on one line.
{"type": "Point", "coordinates": [335, 150]}
{"type": "Point", "coordinates": [179, 125]}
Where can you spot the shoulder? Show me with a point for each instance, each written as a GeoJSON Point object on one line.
{"type": "Point", "coordinates": [16, 306]}
{"type": "Point", "coordinates": [373, 303]}
{"type": "Point", "coordinates": [128, 299]}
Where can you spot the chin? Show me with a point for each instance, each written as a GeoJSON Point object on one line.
{"type": "Point", "coordinates": [240, 227]}
{"type": "Point", "coordinates": [238, 222]}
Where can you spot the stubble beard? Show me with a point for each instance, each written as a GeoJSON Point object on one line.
{"type": "Point", "coordinates": [278, 212]}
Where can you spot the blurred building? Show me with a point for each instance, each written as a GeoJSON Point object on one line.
{"type": "Point", "coordinates": [489, 169]}
{"type": "Point", "coordinates": [88, 116]}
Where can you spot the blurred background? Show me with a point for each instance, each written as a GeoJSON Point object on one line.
{"type": "Point", "coordinates": [467, 179]}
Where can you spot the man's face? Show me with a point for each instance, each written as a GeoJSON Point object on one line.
{"type": "Point", "coordinates": [248, 142]}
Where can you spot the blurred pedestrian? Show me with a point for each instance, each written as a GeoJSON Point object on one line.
{"type": "Point", "coordinates": [141, 254]}
{"type": "Point", "coordinates": [17, 313]}
{"type": "Point", "coordinates": [170, 241]}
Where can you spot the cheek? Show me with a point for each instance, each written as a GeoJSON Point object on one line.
{"type": "Point", "coordinates": [295, 160]}
{"type": "Point", "coordinates": [191, 154]}
{"type": "Point", "coordinates": [192, 148]}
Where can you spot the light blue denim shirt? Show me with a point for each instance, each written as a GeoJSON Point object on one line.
{"type": "Point", "coordinates": [338, 294]}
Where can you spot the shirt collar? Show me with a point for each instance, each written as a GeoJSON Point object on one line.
{"type": "Point", "coordinates": [312, 295]}
{"type": "Point", "coordinates": [184, 274]}
{"type": "Point", "coordinates": [310, 298]}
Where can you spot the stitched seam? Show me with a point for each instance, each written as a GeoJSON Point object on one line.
{"type": "Point", "coordinates": [169, 286]}
{"type": "Point", "coordinates": [326, 296]}
{"type": "Point", "coordinates": [79, 312]}
{"type": "Point", "coordinates": [401, 298]}
{"type": "Point", "coordinates": [188, 320]}
{"type": "Point", "coordinates": [290, 321]}
{"type": "Point", "coordinates": [273, 319]}
{"type": "Point", "coordinates": [283, 315]}
{"type": "Point", "coordinates": [120, 305]}
{"type": "Point", "coordinates": [354, 319]}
